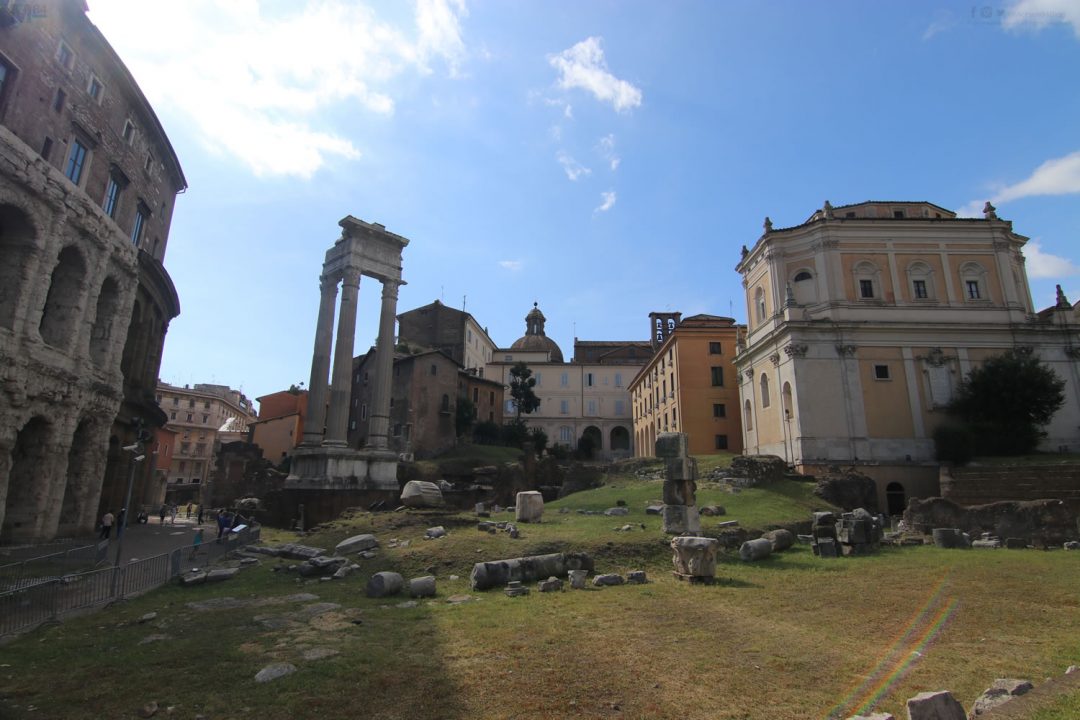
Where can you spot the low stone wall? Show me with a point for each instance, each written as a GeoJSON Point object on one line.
{"type": "Point", "coordinates": [978, 485]}
{"type": "Point", "coordinates": [1038, 522]}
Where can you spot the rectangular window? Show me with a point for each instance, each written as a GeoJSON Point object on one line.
{"type": "Point", "coordinates": [140, 223]}
{"type": "Point", "coordinates": [205, 419]}
{"type": "Point", "coordinates": [172, 415]}
{"type": "Point", "coordinates": [94, 88]}
{"type": "Point", "coordinates": [718, 410]}
{"type": "Point", "coordinates": [508, 358]}
{"type": "Point", "coordinates": [148, 162]}
{"type": "Point", "coordinates": [363, 412]}
{"type": "Point", "coordinates": [434, 369]}
{"type": "Point", "coordinates": [475, 395]}
{"type": "Point", "coordinates": [200, 448]}
{"type": "Point", "coordinates": [881, 372]}
{"type": "Point", "coordinates": [190, 403]}
{"type": "Point", "coordinates": [65, 56]}
{"type": "Point", "coordinates": [189, 417]}
{"type": "Point", "coordinates": [714, 348]}
{"type": "Point", "coordinates": [492, 397]}
{"type": "Point", "coordinates": [898, 214]}
{"type": "Point", "coordinates": [620, 408]}
{"type": "Point", "coordinates": [588, 380]}
{"type": "Point", "coordinates": [510, 406]}
{"type": "Point", "coordinates": [175, 401]}
{"type": "Point", "coordinates": [564, 407]}
{"type": "Point", "coordinates": [58, 100]}
{"type": "Point", "coordinates": [564, 380]}
{"type": "Point", "coordinates": [721, 442]}
{"type": "Point", "coordinates": [46, 148]}
{"type": "Point", "coordinates": [972, 289]}
{"type": "Point", "coordinates": [76, 161]}
{"type": "Point", "coordinates": [717, 375]}
{"type": "Point", "coordinates": [129, 131]}
{"type": "Point", "coordinates": [920, 289]}
{"type": "Point", "coordinates": [537, 379]}
{"type": "Point", "coordinates": [112, 197]}
{"type": "Point", "coordinates": [591, 407]}
{"type": "Point", "coordinates": [866, 288]}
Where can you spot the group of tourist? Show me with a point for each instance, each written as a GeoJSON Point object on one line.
{"type": "Point", "coordinates": [226, 520]}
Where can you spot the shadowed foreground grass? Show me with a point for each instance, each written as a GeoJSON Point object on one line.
{"type": "Point", "coordinates": [790, 637]}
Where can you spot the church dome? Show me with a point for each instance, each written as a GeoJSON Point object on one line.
{"type": "Point", "coordinates": [534, 339]}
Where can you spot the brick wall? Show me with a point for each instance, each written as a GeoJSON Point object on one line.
{"type": "Point", "coordinates": [979, 485]}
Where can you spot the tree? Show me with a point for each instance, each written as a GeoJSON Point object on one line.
{"type": "Point", "coordinates": [521, 390]}
{"type": "Point", "coordinates": [1006, 401]}
{"type": "Point", "coordinates": [465, 416]}
{"type": "Point", "coordinates": [539, 440]}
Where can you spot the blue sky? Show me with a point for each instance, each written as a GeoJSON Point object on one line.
{"type": "Point", "coordinates": [606, 159]}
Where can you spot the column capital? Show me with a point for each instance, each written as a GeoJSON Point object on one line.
{"type": "Point", "coordinates": [350, 275]}
{"type": "Point", "coordinates": [390, 289]}
{"type": "Point", "coordinates": [328, 285]}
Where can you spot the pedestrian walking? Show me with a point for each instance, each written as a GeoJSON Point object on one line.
{"type": "Point", "coordinates": [107, 521]}
{"type": "Point", "coordinates": [196, 543]}
{"type": "Point", "coordinates": [200, 514]}
{"type": "Point", "coordinates": [172, 514]}
{"type": "Point", "coordinates": [161, 513]}
{"type": "Point", "coordinates": [189, 511]}
{"type": "Point", "coordinates": [222, 524]}
{"type": "Point", "coordinates": [120, 522]}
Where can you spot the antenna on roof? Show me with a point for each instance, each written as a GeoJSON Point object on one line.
{"type": "Point", "coordinates": [463, 297]}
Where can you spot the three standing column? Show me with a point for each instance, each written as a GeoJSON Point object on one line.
{"type": "Point", "coordinates": [341, 384]}
{"type": "Point", "coordinates": [378, 437]}
{"type": "Point", "coordinates": [320, 363]}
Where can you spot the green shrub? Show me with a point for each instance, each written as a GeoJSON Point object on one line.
{"type": "Point", "coordinates": [954, 443]}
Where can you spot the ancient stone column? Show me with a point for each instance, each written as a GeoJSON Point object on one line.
{"type": "Point", "coordinates": [320, 363]}
{"type": "Point", "coordinates": [378, 436]}
{"type": "Point", "coordinates": [341, 382]}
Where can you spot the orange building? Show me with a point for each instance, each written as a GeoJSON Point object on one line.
{"type": "Point", "coordinates": [280, 426]}
{"type": "Point", "coordinates": [690, 385]}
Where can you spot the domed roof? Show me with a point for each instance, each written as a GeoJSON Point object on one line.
{"type": "Point", "coordinates": [534, 339]}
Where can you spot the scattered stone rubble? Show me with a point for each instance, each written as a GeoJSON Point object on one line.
{"type": "Point", "coordinates": [854, 533]}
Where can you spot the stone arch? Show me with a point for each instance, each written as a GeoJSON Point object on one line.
{"type": "Point", "coordinates": [63, 306]}
{"type": "Point", "coordinates": [27, 482]}
{"type": "Point", "coordinates": [620, 438]}
{"type": "Point", "coordinates": [104, 319]}
{"type": "Point", "coordinates": [18, 239]}
{"type": "Point", "coordinates": [80, 468]}
{"type": "Point", "coordinates": [895, 498]}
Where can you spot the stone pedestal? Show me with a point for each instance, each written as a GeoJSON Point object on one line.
{"type": "Point", "coordinates": [339, 468]}
{"type": "Point", "coordinates": [680, 519]}
{"type": "Point", "coordinates": [529, 506]}
{"type": "Point", "coordinates": [694, 557]}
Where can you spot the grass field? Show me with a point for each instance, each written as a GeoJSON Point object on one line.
{"type": "Point", "coordinates": [790, 637]}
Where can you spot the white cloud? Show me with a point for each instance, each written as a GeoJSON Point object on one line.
{"type": "Point", "coordinates": [606, 148]}
{"type": "Point", "coordinates": [1059, 176]}
{"type": "Point", "coordinates": [944, 21]}
{"type": "Point", "coordinates": [439, 26]}
{"type": "Point", "coordinates": [513, 265]}
{"type": "Point", "coordinates": [571, 167]}
{"type": "Point", "coordinates": [1045, 265]}
{"type": "Point", "coordinates": [254, 83]}
{"type": "Point", "coordinates": [583, 66]}
{"type": "Point", "coordinates": [568, 112]}
{"type": "Point", "coordinates": [1041, 13]}
{"type": "Point", "coordinates": [607, 202]}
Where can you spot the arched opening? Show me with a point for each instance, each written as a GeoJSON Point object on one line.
{"type": "Point", "coordinates": [60, 316]}
{"type": "Point", "coordinates": [17, 237]}
{"type": "Point", "coordinates": [28, 482]}
{"type": "Point", "coordinates": [803, 287]}
{"type": "Point", "coordinates": [786, 399]}
{"type": "Point", "coordinates": [107, 304]}
{"type": "Point", "coordinates": [592, 441]}
{"type": "Point", "coordinates": [895, 498]}
{"type": "Point", "coordinates": [79, 469]}
{"type": "Point", "coordinates": [620, 438]}
{"type": "Point", "coordinates": [444, 406]}
{"type": "Point", "coordinates": [748, 416]}
{"type": "Point", "coordinates": [759, 303]}
{"type": "Point", "coordinates": [765, 399]}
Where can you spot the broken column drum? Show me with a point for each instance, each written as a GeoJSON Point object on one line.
{"type": "Point", "coordinates": [694, 557]}
{"type": "Point", "coordinates": [324, 461]}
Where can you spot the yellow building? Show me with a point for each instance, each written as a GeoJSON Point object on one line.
{"type": "Point", "coordinates": [690, 385]}
{"type": "Point", "coordinates": [864, 319]}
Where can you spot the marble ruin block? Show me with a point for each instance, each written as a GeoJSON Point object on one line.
{"type": "Point", "coordinates": [753, 550]}
{"type": "Point", "coordinates": [529, 506]}
{"type": "Point", "coordinates": [695, 556]}
{"type": "Point", "coordinates": [680, 519]}
{"type": "Point", "coordinates": [420, 493]}
{"type": "Point", "coordinates": [672, 445]}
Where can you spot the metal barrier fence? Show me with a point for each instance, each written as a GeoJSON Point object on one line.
{"type": "Point", "coordinates": [22, 572]}
{"type": "Point", "coordinates": [36, 600]}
